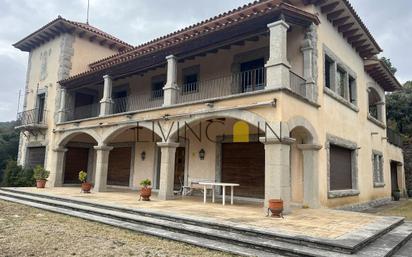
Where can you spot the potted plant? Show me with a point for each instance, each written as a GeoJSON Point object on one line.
{"type": "Point", "coordinates": [40, 174]}
{"type": "Point", "coordinates": [146, 190]}
{"type": "Point", "coordinates": [396, 194]}
{"type": "Point", "coordinates": [409, 193]}
{"type": "Point", "coordinates": [276, 207]}
{"type": "Point", "coordinates": [86, 186]}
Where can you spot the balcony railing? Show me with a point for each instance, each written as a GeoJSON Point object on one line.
{"type": "Point", "coordinates": [138, 102]}
{"type": "Point", "coordinates": [298, 84]}
{"type": "Point", "coordinates": [32, 117]}
{"type": "Point", "coordinates": [237, 83]}
{"type": "Point", "coordinates": [394, 137]}
{"type": "Point", "coordinates": [83, 112]}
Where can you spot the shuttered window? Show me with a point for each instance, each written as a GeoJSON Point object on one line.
{"type": "Point", "coordinates": [35, 156]}
{"type": "Point", "coordinates": [340, 168]}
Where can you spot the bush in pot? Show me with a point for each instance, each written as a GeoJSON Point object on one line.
{"type": "Point", "coordinates": [40, 174]}
{"type": "Point", "coordinates": [396, 195]}
{"type": "Point", "coordinates": [146, 190]}
{"type": "Point", "coordinates": [86, 186]}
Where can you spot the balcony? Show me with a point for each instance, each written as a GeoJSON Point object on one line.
{"type": "Point", "coordinates": [394, 137]}
{"type": "Point", "coordinates": [32, 120]}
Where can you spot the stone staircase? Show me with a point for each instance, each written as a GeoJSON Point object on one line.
{"type": "Point", "coordinates": [381, 239]}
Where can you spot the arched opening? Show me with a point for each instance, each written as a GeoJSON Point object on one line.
{"type": "Point", "coordinates": [217, 149]}
{"type": "Point", "coordinates": [375, 104]}
{"type": "Point", "coordinates": [134, 156]}
{"type": "Point", "coordinates": [80, 155]}
{"type": "Point", "coordinates": [302, 136]}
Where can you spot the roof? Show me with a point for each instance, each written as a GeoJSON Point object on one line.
{"type": "Point", "coordinates": [344, 17]}
{"type": "Point", "coordinates": [61, 25]}
{"type": "Point", "coordinates": [380, 72]}
{"type": "Point", "coordinates": [206, 27]}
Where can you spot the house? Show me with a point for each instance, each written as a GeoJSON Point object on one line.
{"type": "Point", "coordinates": [286, 98]}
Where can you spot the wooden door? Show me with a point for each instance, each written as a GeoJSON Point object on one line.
{"type": "Point", "coordinates": [179, 168]}
{"type": "Point", "coordinates": [244, 163]}
{"type": "Point", "coordinates": [77, 159]}
{"type": "Point", "coordinates": [119, 166]}
{"type": "Point", "coordinates": [394, 176]}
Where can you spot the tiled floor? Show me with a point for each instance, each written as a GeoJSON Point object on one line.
{"type": "Point", "coordinates": [324, 223]}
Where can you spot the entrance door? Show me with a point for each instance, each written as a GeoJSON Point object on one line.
{"type": "Point", "coordinates": [179, 168]}
{"type": "Point", "coordinates": [394, 176]}
{"type": "Point", "coordinates": [119, 166]}
{"type": "Point", "coordinates": [244, 163]}
{"type": "Point", "coordinates": [77, 159]}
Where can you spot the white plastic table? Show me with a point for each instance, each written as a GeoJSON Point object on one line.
{"type": "Point", "coordinates": [223, 185]}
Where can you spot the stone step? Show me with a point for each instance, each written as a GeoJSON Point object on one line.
{"type": "Point", "coordinates": [349, 243]}
{"type": "Point", "coordinates": [240, 239]}
{"type": "Point", "coordinates": [390, 243]}
{"type": "Point", "coordinates": [189, 239]}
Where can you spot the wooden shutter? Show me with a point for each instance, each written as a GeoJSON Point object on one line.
{"type": "Point", "coordinates": [119, 166]}
{"type": "Point", "coordinates": [35, 156]}
{"type": "Point", "coordinates": [340, 168]}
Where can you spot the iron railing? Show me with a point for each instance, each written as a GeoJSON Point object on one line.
{"type": "Point", "coordinates": [236, 83]}
{"type": "Point", "coordinates": [394, 137]}
{"type": "Point", "coordinates": [83, 112]}
{"type": "Point", "coordinates": [138, 102]}
{"type": "Point", "coordinates": [32, 117]}
{"type": "Point", "coordinates": [298, 84]}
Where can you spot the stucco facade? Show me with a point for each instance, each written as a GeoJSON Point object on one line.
{"type": "Point", "coordinates": [305, 117]}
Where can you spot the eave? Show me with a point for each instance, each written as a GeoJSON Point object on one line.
{"type": "Point", "coordinates": [378, 70]}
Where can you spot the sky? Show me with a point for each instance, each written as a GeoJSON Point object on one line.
{"type": "Point", "coordinates": [138, 21]}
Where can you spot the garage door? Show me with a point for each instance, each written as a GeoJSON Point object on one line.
{"type": "Point", "coordinates": [35, 156]}
{"type": "Point", "coordinates": [244, 163]}
{"type": "Point", "coordinates": [76, 160]}
{"type": "Point", "coordinates": [119, 166]}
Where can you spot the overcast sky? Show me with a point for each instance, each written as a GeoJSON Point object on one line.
{"type": "Point", "coordinates": [137, 21]}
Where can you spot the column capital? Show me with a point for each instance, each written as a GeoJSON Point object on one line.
{"type": "Point", "coordinates": [314, 147]}
{"type": "Point", "coordinates": [279, 23]}
{"type": "Point", "coordinates": [272, 141]}
{"type": "Point", "coordinates": [60, 149]}
{"type": "Point", "coordinates": [168, 144]}
{"type": "Point", "coordinates": [171, 57]}
{"type": "Point", "coordinates": [103, 148]}
{"type": "Point", "coordinates": [107, 77]}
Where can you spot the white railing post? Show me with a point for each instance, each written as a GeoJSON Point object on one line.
{"type": "Point", "coordinates": [170, 89]}
{"type": "Point", "coordinates": [277, 66]}
{"type": "Point", "coordinates": [106, 103]}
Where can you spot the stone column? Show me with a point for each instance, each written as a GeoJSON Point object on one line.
{"type": "Point", "coordinates": [277, 170]}
{"type": "Point", "coordinates": [61, 113]}
{"type": "Point", "coordinates": [167, 170]}
{"type": "Point", "coordinates": [277, 66]}
{"type": "Point", "coordinates": [307, 52]}
{"type": "Point", "coordinates": [57, 172]}
{"type": "Point", "coordinates": [102, 165]}
{"type": "Point", "coordinates": [106, 103]}
{"type": "Point", "coordinates": [310, 174]}
{"type": "Point", "coordinates": [171, 88]}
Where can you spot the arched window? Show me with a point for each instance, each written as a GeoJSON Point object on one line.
{"type": "Point", "coordinates": [375, 104]}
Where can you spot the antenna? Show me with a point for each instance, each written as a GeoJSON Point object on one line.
{"type": "Point", "coordinates": [88, 7]}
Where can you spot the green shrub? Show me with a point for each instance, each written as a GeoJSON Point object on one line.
{"type": "Point", "coordinates": [40, 173]}
{"type": "Point", "coordinates": [145, 182]}
{"type": "Point", "coordinates": [16, 176]}
{"type": "Point", "coordinates": [83, 176]}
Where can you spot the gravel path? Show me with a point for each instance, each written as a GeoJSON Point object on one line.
{"type": "Point", "coordinates": [26, 231]}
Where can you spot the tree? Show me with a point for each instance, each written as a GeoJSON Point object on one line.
{"type": "Point", "coordinates": [399, 109]}
{"type": "Point", "coordinates": [388, 63]}
{"type": "Point", "coordinates": [9, 143]}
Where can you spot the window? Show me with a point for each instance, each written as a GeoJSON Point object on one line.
{"type": "Point", "coordinates": [252, 75]}
{"type": "Point", "coordinates": [341, 80]}
{"type": "Point", "coordinates": [328, 68]}
{"type": "Point", "coordinates": [377, 164]}
{"type": "Point", "coordinates": [375, 104]}
{"type": "Point", "coordinates": [190, 80]}
{"type": "Point", "coordinates": [352, 90]}
{"type": "Point", "coordinates": [41, 100]}
{"type": "Point", "coordinates": [158, 83]}
{"type": "Point", "coordinates": [340, 168]}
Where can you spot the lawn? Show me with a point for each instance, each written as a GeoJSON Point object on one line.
{"type": "Point", "coordinates": [26, 231]}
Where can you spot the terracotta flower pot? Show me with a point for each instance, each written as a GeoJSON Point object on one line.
{"type": "Point", "coordinates": [86, 186]}
{"type": "Point", "coordinates": [276, 207]}
{"type": "Point", "coordinates": [145, 193]}
{"type": "Point", "coordinates": [41, 183]}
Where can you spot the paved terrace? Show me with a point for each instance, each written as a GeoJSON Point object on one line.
{"type": "Point", "coordinates": [320, 223]}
